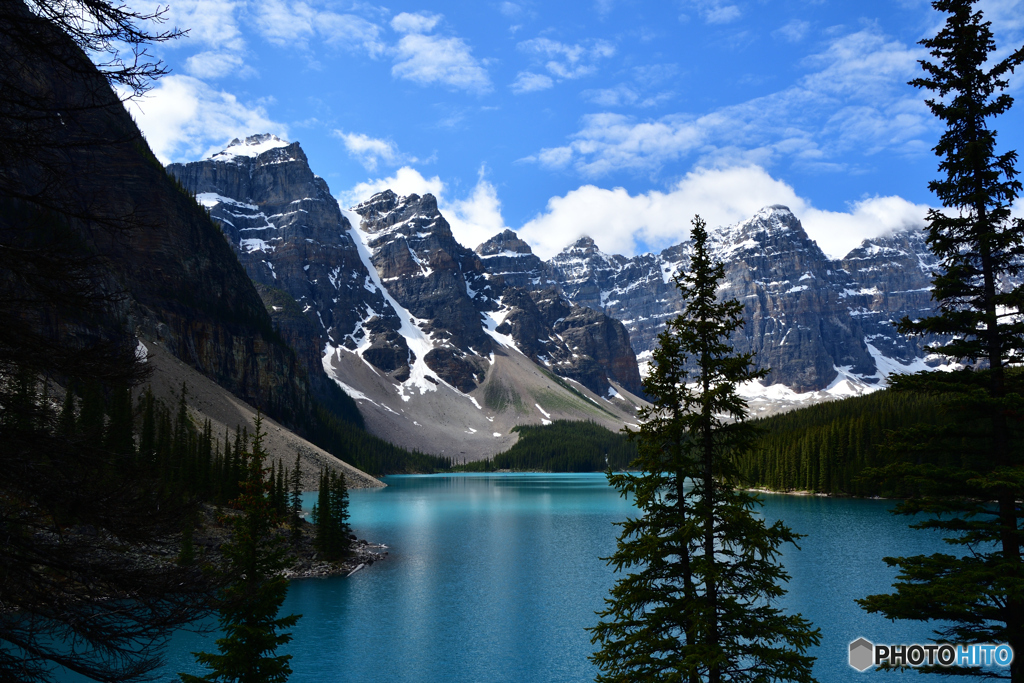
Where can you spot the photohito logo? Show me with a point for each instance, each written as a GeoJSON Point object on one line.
{"type": "Point", "coordinates": [864, 654]}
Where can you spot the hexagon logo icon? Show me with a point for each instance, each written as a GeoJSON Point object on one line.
{"type": "Point", "coordinates": [862, 654]}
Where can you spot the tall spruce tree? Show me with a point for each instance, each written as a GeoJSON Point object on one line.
{"type": "Point", "coordinates": [330, 515]}
{"type": "Point", "coordinates": [698, 603]}
{"type": "Point", "coordinates": [968, 475]}
{"type": "Point", "coordinates": [295, 501]}
{"type": "Point", "coordinates": [254, 560]}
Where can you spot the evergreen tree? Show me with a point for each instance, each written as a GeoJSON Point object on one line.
{"type": "Point", "coordinates": [974, 491]}
{"type": "Point", "coordinates": [281, 492]}
{"type": "Point", "coordinates": [254, 560]}
{"type": "Point", "coordinates": [322, 514]}
{"type": "Point", "coordinates": [90, 416]}
{"type": "Point", "coordinates": [698, 603]}
{"type": "Point", "coordinates": [295, 501]}
{"type": "Point", "coordinates": [120, 435]}
{"type": "Point", "coordinates": [339, 512]}
{"type": "Point", "coordinates": [330, 515]}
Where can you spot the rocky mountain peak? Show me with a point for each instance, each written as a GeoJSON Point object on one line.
{"type": "Point", "coordinates": [510, 262]}
{"type": "Point", "coordinates": [583, 256]}
{"type": "Point", "coordinates": [907, 246]}
{"type": "Point", "coordinates": [386, 212]}
{"type": "Point", "coordinates": [506, 241]}
{"type": "Point", "coordinates": [585, 244]}
{"type": "Point", "coordinates": [772, 232]}
{"type": "Point", "coordinates": [251, 147]}
{"type": "Point", "coordinates": [770, 219]}
{"type": "Point", "coordinates": [290, 235]}
{"type": "Point", "coordinates": [377, 206]}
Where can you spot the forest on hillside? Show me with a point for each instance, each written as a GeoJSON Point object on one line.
{"type": "Point", "coordinates": [562, 446]}
{"type": "Point", "coordinates": [824, 448]}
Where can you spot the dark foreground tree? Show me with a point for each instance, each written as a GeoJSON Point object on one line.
{"type": "Point", "coordinates": [72, 496]}
{"type": "Point", "coordinates": [330, 515]}
{"type": "Point", "coordinates": [968, 475]}
{"type": "Point", "coordinates": [70, 505]}
{"type": "Point", "coordinates": [699, 601]}
{"type": "Point", "coordinates": [253, 566]}
{"type": "Point", "coordinates": [295, 520]}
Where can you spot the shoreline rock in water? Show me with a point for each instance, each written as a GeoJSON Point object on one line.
{"type": "Point", "coordinates": [363, 555]}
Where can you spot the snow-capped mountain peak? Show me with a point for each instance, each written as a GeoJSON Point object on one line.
{"type": "Point", "coordinates": [252, 146]}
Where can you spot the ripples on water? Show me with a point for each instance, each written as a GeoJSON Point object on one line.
{"type": "Point", "coordinates": [495, 577]}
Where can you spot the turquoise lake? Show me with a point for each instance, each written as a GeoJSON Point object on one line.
{"type": "Point", "coordinates": [495, 577]}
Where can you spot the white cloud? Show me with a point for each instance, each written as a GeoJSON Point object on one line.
{"type": "Point", "coordinates": [622, 95]}
{"type": "Point", "coordinates": [477, 218]}
{"type": "Point", "coordinates": [428, 59]}
{"type": "Point", "coordinates": [624, 223]}
{"type": "Point", "coordinates": [721, 14]}
{"type": "Point", "coordinates": [285, 24]}
{"type": "Point", "coordinates": [618, 96]}
{"type": "Point", "coordinates": [183, 118]}
{"type": "Point", "coordinates": [530, 82]}
{"type": "Point", "coordinates": [510, 9]}
{"type": "Point", "coordinates": [862, 65]}
{"type": "Point", "coordinates": [294, 24]}
{"type": "Point", "coordinates": [609, 142]}
{"type": "Point", "coordinates": [856, 99]}
{"type": "Point", "coordinates": [420, 22]}
{"type": "Point", "coordinates": [556, 157]}
{"type": "Point", "coordinates": [714, 11]}
{"type": "Point", "coordinates": [793, 31]}
{"type": "Point", "coordinates": [211, 23]}
{"type": "Point", "coordinates": [567, 61]}
{"type": "Point", "coordinates": [351, 33]}
{"type": "Point", "coordinates": [370, 151]}
{"type": "Point", "coordinates": [838, 232]}
{"type": "Point", "coordinates": [217, 64]}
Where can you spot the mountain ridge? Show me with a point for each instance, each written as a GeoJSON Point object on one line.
{"type": "Point", "coordinates": [404, 318]}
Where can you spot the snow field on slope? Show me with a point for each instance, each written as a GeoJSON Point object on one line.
{"type": "Point", "coordinates": [418, 342]}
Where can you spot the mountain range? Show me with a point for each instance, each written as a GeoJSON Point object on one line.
{"type": "Point", "coordinates": [446, 348]}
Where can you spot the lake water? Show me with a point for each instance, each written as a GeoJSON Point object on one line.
{"type": "Point", "coordinates": [495, 577]}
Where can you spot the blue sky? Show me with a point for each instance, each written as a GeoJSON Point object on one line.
{"type": "Point", "coordinates": [614, 118]}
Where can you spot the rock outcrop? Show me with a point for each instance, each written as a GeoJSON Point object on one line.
{"type": "Point", "coordinates": [510, 262]}
{"type": "Point", "coordinates": [572, 341]}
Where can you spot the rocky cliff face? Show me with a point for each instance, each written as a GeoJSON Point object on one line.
{"type": "Point", "coordinates": [572, 341]}
{"type": "Point", "coordinates": [638, 291]}
{"type": "Point", "coordinates": [440, 282]}
{"type": "Point", "coordinates": [796, 320]}
{"type": "Point", "coordinates": [510, 262]}
{"type": "Point", "coordinates": [893, 280]}
{"type": "Point", "coordinates": [810, 319]}
{"type": "Point", "coordinates": [178, 283]}
{"type": "Point", "coordinates": [292, 239]}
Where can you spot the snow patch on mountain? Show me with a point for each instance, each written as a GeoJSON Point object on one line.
{"type": "Point", "coordinates": [252, 147]}
{"type": "Point", "coordinates": [417, 340]}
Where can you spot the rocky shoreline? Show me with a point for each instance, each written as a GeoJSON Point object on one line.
{"type": "Point", "coordinates": [363, 555]}
{"type": "Point", "coordinates": [307, 564]}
